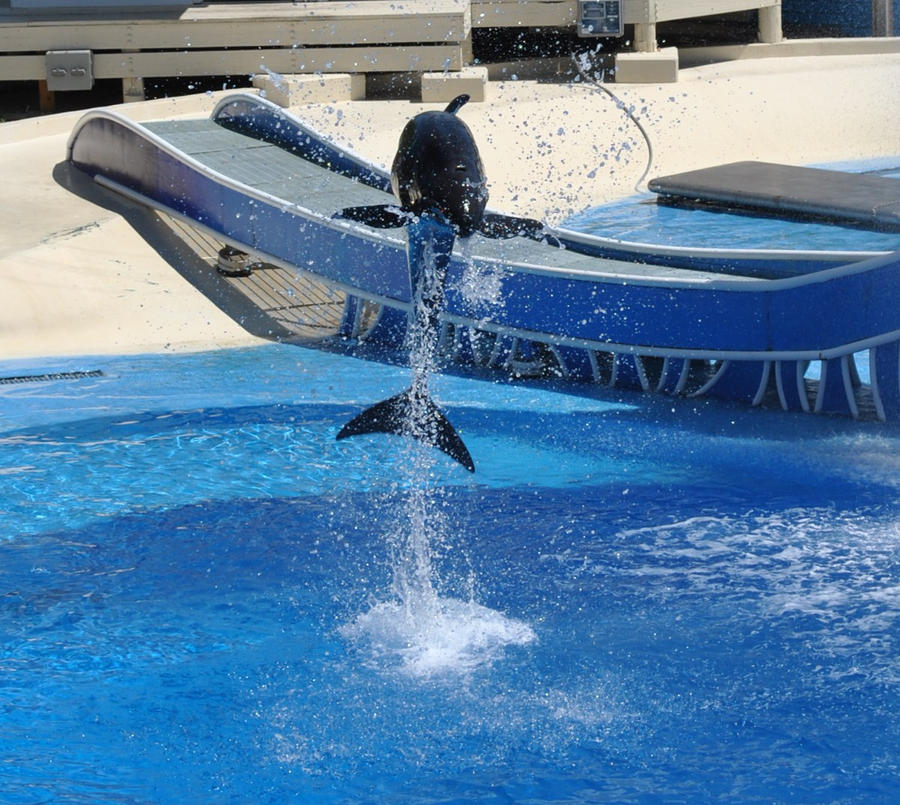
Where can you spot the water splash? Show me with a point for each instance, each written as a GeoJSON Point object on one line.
{"type": "Point", "coordinates": [420, 629]}
{"type": "Point", "coordinates": [480, 285]}
{"type": "Point", "coordinates": [436, 636]}
{"type": "Point", "coordinates": [429, 625]}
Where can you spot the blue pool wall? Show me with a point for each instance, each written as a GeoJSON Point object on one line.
{"type": "Point", "coordinates": [835, 17]}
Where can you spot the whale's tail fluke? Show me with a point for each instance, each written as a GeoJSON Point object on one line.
{"type": "Point", "coordinates": [411, 414]}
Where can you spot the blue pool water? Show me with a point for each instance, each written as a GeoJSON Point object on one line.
{"type": "Point", "coordinates": [654, 600]}
{"type": "Point", "coordinates": [640, 219]}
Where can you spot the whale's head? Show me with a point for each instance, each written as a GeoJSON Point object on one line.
{"type": "Point", "coordinates": [437, 170]}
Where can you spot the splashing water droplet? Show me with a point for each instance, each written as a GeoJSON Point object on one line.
{"type": "Point", "coordinates": [480, 285]}
{"type": "Point", "coordinates": [418, 630]}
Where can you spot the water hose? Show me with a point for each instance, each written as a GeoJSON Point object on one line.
{"type": "Point", "coordinates": [621, 105]}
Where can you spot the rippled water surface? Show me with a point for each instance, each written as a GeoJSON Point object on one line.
{"type": "Point", "coordinates": [639, 599]}
{"type": "Point", "coordinates": [640, 219]}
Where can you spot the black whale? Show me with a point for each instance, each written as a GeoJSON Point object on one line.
{"type": "Point", "coordinates": [438, 178]}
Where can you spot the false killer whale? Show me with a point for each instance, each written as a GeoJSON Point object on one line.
{"type": "Point", "coordinates": [437, 170]}
{"type": "Point", "coordinates": [438, 178]}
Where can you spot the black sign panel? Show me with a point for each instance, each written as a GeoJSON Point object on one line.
{"type": "Point", "coordinates": [603, 18]}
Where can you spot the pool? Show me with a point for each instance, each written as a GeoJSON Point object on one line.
{"type": "Point", "coordinates": [639, 218]}
{"type": "Point", "coordinates": [644, 599]}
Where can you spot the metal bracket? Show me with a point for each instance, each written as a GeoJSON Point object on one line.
{"type": "Point", "coordinates": [69, 70]}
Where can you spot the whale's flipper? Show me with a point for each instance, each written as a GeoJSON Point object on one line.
{"type": "Point", "coordinates": [415, 416]}
{"type": "Point", "coordinates": [497, 225]}
{"type": "Point", "coordinates": [381, 216]}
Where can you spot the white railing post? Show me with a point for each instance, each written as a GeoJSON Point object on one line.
{"type": "Point", "coordinates": [770, 24]}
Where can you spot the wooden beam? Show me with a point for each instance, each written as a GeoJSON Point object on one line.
{"type": "Point", "coordinates": [281, 60]}
{"type": "Point", "coordinates": [46, 98]}
{"type": "Point", "coordinates": [132, 89]}
{"type": "Point", "coordinates": [23, 68]}
{"type": "Point", "coordinates": [531, 14]}
{"type": "Point", "coordinates": [152, 35]}
{"type": "Point", "coordinates": [769, 29]}
{"type": "Point", "coordinates": [373, 23]}
{"type": "Point", "coordinates": [645, 37]}
{"type": "Point", "coordinates": [562, 13]}
{"type": "Point", "coordinates": [653, 11]}
{"type": "Point", "coordinates": [404, 59]}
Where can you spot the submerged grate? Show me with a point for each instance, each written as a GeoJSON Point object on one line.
{"type": "Point", "coordinates": [50, 376]}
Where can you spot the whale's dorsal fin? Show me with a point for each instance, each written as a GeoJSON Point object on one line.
{"type": "Point", "coordinates": [457, 103]}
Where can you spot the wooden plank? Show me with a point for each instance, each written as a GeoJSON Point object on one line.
{"type": "Point", "coordinates": [23, 68]}
{"type": "Point", "coordinates": [338, 11]}
{"type": "Point", "coordinates": [212, 10]}
{"type": "Point", "coordinates": [515, 13]}
{"type": "Point", "coordinates": [55, 5]}
{"type": "Point", "coordinates": [145, 35]}
{"type": "Point", "coordinates": [653, 11]}
{"type": "Point", "coordinates": [281, 60]}
{"type": "Point", "coordinates": [243, 24]}
{"type": "Point", "coordinates": [405, 58]}
{"type": "Point", "coordinates": [560, 13]}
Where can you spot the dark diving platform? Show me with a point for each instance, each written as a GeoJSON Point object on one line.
{"type": "Point", "coordinates": [789, 191]}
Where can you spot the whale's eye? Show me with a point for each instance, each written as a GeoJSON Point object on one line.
{"type": "Point", "coordinates": [460, 167]}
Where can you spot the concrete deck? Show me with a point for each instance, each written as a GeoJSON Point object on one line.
{"type": "Point", "coordinates": [87, 273]}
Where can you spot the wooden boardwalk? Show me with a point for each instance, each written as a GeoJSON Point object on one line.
{"type": "Point", "coordinates": [220, 38]}
{"type": "Point", "coordinates": [228, 38]}
{"type": "Point", "coordinates": [642, 14]}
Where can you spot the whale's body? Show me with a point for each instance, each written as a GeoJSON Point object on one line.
{"type": "Point", "coordinates": [439, 180]}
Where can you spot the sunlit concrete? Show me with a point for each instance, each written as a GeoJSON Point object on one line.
{"type": "Point", "coordinates": [77, 278]}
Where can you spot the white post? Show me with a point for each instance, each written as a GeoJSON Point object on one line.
{"type": "Point", "coordinates": [882, 18]}
{"type": "Point", "coordinates": [770, 24]}
{"type": "Point", "coordinates": [645, 37]}
{"type": "Point", "coordinates": [132, 89]}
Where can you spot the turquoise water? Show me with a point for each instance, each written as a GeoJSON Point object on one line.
{"type": "Point", "coordinates": [654, 599]}
{"type": "Point", "coordinates": [640, 219]}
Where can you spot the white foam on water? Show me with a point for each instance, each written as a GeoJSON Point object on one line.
{"type": "Point", "coordinates": [445, 636]}
{"type": "Point", "coordinates": [420, 629]}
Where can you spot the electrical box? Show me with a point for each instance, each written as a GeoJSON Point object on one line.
{"type": "Point", "coordinates": [600, 18]}
{"type": "Point", "coordinates": [69, 70]}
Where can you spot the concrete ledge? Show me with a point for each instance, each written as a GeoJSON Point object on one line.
{"type": "Point", "coordinates": [445, 86]}
{"type": "Point", "coordinates": [660, 67]}
{"type": "Point", "coordinates": [792, 48]}
{"type": "Point", "coordinates": [32, 128]}
{"type": "Point", "coordinates": [294, 90]}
